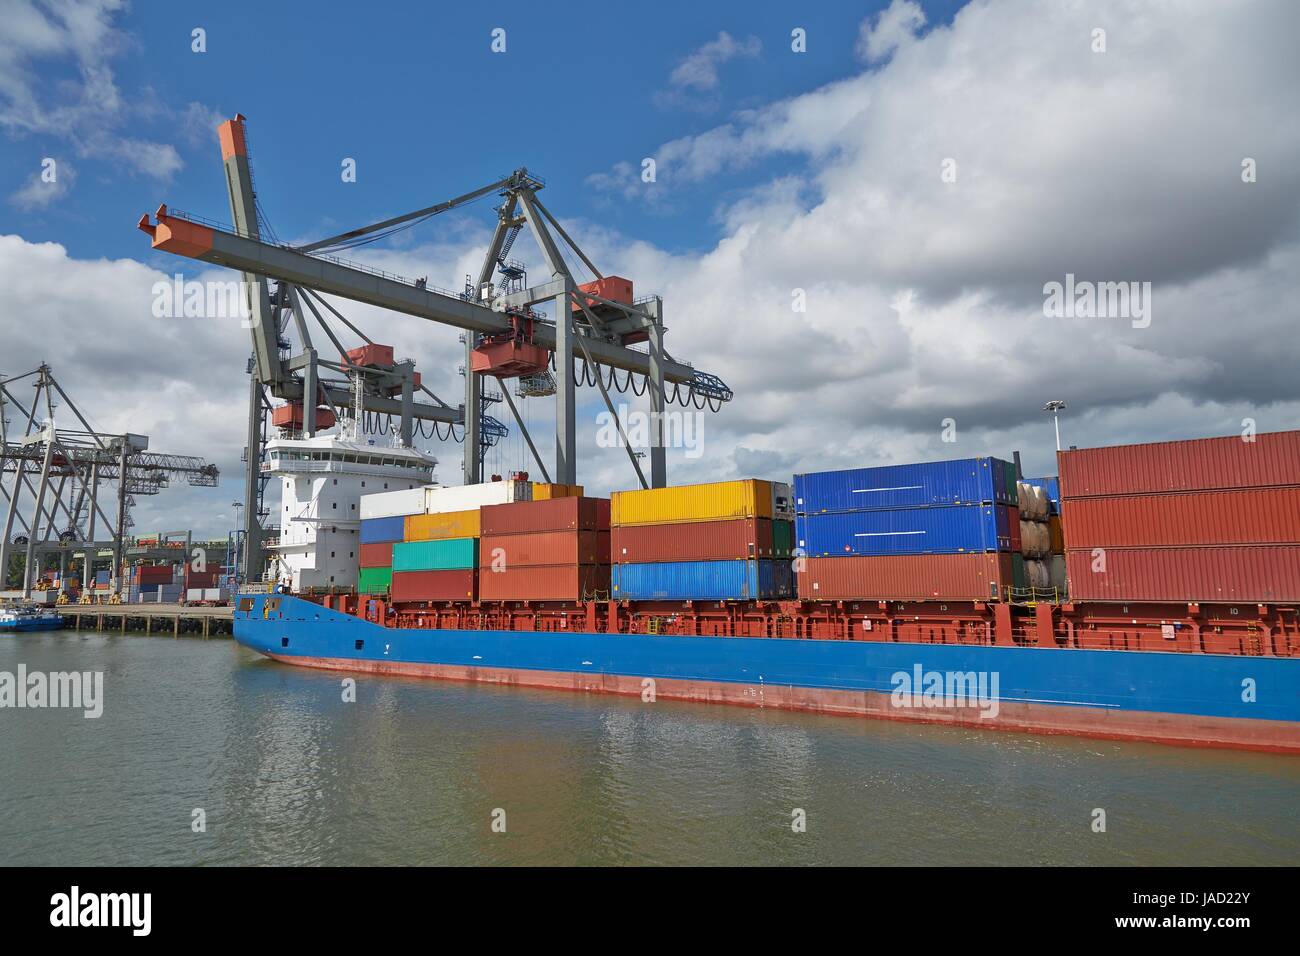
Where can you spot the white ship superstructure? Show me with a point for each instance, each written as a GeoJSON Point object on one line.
{"type": "Point", "coordinates": [322, 480]}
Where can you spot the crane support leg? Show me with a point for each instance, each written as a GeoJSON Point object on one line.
{"type": "Point", "coordinates": [658, 455]}
{"type": "Point", "coordinates": [566, 464]}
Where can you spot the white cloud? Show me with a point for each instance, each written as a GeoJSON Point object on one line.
{"type": "Point", "coordinates": [39, 191]}
{"type": "Point", "coordinates": [892, 28]}
{"type": "Point", "coordinates": [85, 108]}
{"type": "Point", "coordinates": [699, 70]}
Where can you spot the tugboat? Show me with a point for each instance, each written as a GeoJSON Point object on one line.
{"type": "Point", "coordinates": [28, 617]}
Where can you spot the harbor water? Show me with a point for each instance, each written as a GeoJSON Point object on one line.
{"type": "Point", "coordinates": [206, 754]}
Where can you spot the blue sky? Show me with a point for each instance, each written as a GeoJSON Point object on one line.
{"type": "Point", "coordinates": [414, 93]}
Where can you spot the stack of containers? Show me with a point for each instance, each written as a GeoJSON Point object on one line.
{"type": "Point", "coordinates": [383, 523]}
{"type": "Point", "coordinates": [154, 583]}
{"type": "Point", "coordinates": [423, 544]}
{"type": "Point", "coordinates": [553, 549]}
{"type": "Point", "coordinates": [709, 542]}
{"type": "Point", "coordinates": [1051, 488]}
{"type": "Point", "coordinates": [1212, 519]}
{"type": "Point", "coordinates": [946, 530]}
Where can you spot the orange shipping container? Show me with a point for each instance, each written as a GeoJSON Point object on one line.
{"type": "Point", "coordinates": [1246, 516]}
{"type": "Point", "coordinates": [1211, 574]}
{"type": "Point", "coordinates": [911, 577]}
{"type": "Point", "coordinates": [450, 524]}
{"type": "Point", "coordinates": [539, 548]}
{"type": "Point", "coordinates": [566, 582]}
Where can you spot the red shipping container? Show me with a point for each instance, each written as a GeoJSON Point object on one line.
{"type": "Point", "coordinates": [153, 573]}
{"type": "Point", "coordinates": [909, 577]}
{"type": "Point", "coordinates": [1202, 464]}
{"type": "Point", "coordinates": [731, 539]}
{"type": "Point", "coordinates": [372, 354]}
{"type": "Point", "coordinates": [1263, 575]}
{"type": "Point", "coordinates": [433, 585]}
{"type": "Point", "coordinates": [1013, 528]}
{"type": "Point", "coordinates": [1248, 516]}
{"type": "Point", "coordinates": [378, 555]}
{"type": "Point", "coordinates": [544, 547]}
{"type": "Point", "coordinates": [200, 579]}
{"type": "Point", "coordinates": [551, 514]}
{"type": "Point", "coordinates": [568, 582]}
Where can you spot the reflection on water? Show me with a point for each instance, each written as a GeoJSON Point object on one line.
{"type": "Point", "coordinates": [288, 773]}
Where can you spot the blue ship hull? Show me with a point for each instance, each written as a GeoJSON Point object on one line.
{"type": "Point", "coordinates": [1195, 699]}
{"type": "Point", "coordinates": [13, 627]}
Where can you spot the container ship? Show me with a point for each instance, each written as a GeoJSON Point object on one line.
{"type": "Point", "coordinates": [1149, 592]}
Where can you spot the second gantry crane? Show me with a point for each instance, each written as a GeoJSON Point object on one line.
{"type": "Point", "coordinates": [589, 338]}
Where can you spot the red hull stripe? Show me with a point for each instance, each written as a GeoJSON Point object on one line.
{"type": "Point", "coordinates": [1110, 724]}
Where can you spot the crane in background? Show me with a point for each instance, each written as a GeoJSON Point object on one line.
{"type": "Point", "coordinates": [589, 338]}
{"type": "Point", "coordinates": [59, 471]}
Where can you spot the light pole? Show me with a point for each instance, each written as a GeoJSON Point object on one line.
{"type": "Point", "coordinates": [1056, 406]}
{"type": "Point", "coordinates": [237, 570]}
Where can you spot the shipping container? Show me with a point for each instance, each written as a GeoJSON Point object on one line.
{"type": "Point", "coordinates": [703, 581]}
{"type": "Point", "coordinates": [569, 582]}
{"type": "Point", "coordinates": [374, 580]}
{"type": "Point", "coordinates": [449, 524]}
{"type": "Point", "coordinates": [783, 500]}
{"type": "Point", "coordinates": [926, 484]}
{"type": "Point", "coordinates": [378, 555]}
{"type": "Point", "coordinates": [377, 530]}
{"type": "Point", "coordinates": [393, 504]}
{"type": "Point", "coordinates": [1247, 516]}
{"type": "Point", "coordinates": [466, 497]}
{"type": "Point", "coordinates": [450, 585]}
{"type": "Point", "coordinates": [555, 514]}
{"type": "Point", "coordinates": [746, 498]}
{"type": "Point", "coordinates": [933, 530]}
{"type": "Point", "coordinates": [782, 538]}
{"type": "Point", "coordinates": [446, 554]}
{"type": "Point", "coordinates": [1202, 464]}
{"type": "Point", "coordinates": [545, 492]}
{"type": "Point", "coordinates": [1056, 534]}
{"type": "Point", "coordinates": [734, 539]}
{"type": "Point", "coordinates": [913, 577]}
{"type": "Point", "coordinates": [540, 548]}
{"type": "Point", "coordinates": [1254, 573]}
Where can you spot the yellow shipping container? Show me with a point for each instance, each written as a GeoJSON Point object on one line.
{"type": "Point", "coordinates": [450, 524]}
{"type": "Point", "coordinates": [747, 498]}
{"type": "Point", "coordinates": [544, 492]}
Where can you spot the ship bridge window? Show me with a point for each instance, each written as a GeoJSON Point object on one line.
{"type": "Point", "coordinates": [350, 459]}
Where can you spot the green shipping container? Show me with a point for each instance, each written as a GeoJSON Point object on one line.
{"type": "Point", "coordinates": [782, 538]}
{"type": "Point", "coordinates": [1019, 579]}
{"type": "Point", "coordinates": [1010, 482]}
{"type": "Point", "coordinates": [448, 554]}
{"type": "Point", "coordinates": [375, 581]}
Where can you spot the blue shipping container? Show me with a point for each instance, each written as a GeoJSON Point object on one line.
{"type": "Point", "coordinates": [964, 481]}
{"type": "Point", "coordinates": [703, 580]}
{"type": "Point", "coordinates": [1053, 488]}
{"type": "Point", "coordinates": [951, 530]}
{"type": "Point", "coordinates": [381, 530]}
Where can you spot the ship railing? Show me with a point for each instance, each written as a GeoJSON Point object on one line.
{"type": "Point", "coordinates": [1028, 597]}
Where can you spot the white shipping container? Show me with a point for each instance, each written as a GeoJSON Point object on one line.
{"type": "Point", "coordinates": [468, 497]}
{"type": "Point", "coordinates": [393, 504]}
{"type": "Point", "coordinates": [782, 500]}
{"type": "Point", "coordinates": [212, 594]}
{"type": "Point", "coordinates": [194, 594]}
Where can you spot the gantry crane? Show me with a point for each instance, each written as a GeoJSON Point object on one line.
{"type": "Point", "coordinates": [589, 339]}
{"type": "Point", "coordinates": [61, 469]}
